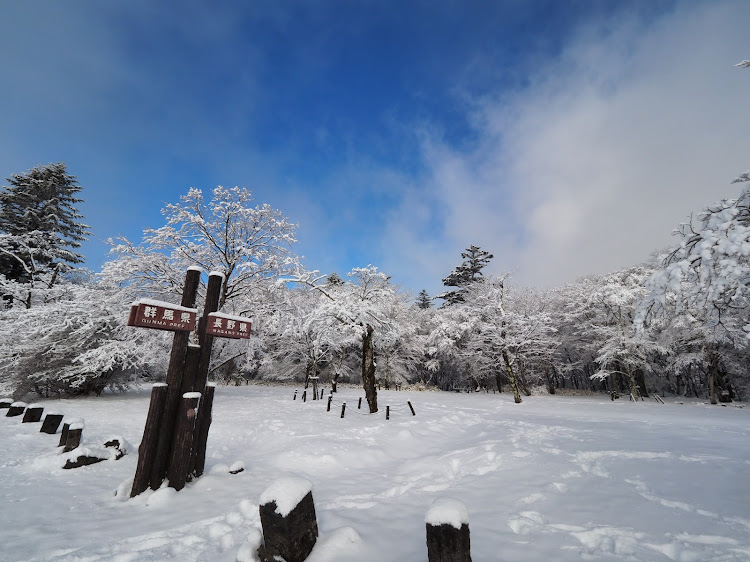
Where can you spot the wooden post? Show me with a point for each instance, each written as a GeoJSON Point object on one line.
{"type": "Point", "coordinates": [304, 396]}
{"type": "Point", "coordinates": [150, 440]}
{"type": "Point", "coordinates": [190, 375]}
{"type": "Point", "coordinates": [343, 408]}
{"type": "Point", "coordinates": [206, 340]}
{"type": "Point", "coordinates": [413, 413]}
{"type": "Point", "coordinates": [33, 413]}
{"type": "Point", "coordinates": [359, 404]}
{"type": "Point", "coordinates": [74, 435]}
{"type": "Point", "coordinates": [315, 387]}
{"type": "Point", "coordinates": [16, 409]}
{"type": "Point", "coordinates": [5, 403]}
{"type": "Point", "coordinates": [64, 435]}
{"type": "Point", "coordinates": [322, 391]}
{"type": "Point", "coordinates": [328, 409]}
{"type": "Point", "coordinates": [180, 460]}
{"type": "Point", "coordinates": [202, 426]}
{"type": "Point", "coordinates": [295, 395]}
{"type": "Point", "coordinates": [174, 384]}
{"type": "Point", "coordinates": [387, 412]}
{"type": "Point", "coordinates": [51, 423]}
{"type": "Point", "coordinates": [287, 516]}
{"type": "Point", "coordinates": [448, 537]}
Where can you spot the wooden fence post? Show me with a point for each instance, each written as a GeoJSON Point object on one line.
{"type": "Point", "coordinates": [16, 409]}
{"type": "Point", "coordinates": [51, 423]}
{"type": "Point", "coordinates": [33, 414]}
{"type": "Point", "coordinates": [74, 435]}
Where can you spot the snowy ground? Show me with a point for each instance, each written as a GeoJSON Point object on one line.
{"type": "Point", "coordinates": [554, 478]}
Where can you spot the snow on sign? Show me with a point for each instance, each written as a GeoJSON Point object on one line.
{"type": "Point", "coordinates": [162, 316]}
{"type": "Point", "coordinates": [226, 326]}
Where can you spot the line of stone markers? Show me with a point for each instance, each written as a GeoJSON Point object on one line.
{"type": "Point", "coordinates": [290, 527]}
{"type": "Point", "coordinates": [70, 437]}
{"type": "Point", "coordinates": [176, 431]}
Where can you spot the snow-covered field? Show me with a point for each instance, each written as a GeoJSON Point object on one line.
{"type": "Point", "coordinates": [554, 478]}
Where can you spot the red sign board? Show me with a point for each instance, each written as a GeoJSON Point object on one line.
{"type": "Point", "coordinates": [225, 326]}
{"type": "Point", "coordinates": [151, 315]}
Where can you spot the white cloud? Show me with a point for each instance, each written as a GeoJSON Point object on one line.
{"type": "Point", "coordinates": [591, 167]}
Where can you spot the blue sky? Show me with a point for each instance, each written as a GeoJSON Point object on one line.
{"type": "Point", "coordinates": [565, 137]}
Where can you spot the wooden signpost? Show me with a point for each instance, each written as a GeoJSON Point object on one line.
{"type": "Point", "coordinates": [179, 416]}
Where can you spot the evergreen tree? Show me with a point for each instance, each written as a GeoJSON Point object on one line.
{"type": "Point", "coordinates": [475, 259]}
{"type": "Point", "coordinates": [423, 300]}
{"type": "Point", "coordinates": [40, 226]}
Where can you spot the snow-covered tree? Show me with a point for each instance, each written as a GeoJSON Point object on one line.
{"type": "Point", "coordinates": [77, 343]}
{"type": "Point", "coordinates": [423, 300]}
{"type": "Point", "coordinates": [40, 230]}
{"type": "Point", "coordinates": [469, 272]}
{"type": "Point", "coordinates": [227, 234]}
{"type": "Point", "coordinates": [359, 307]}
{"type": "Point", "coordinates": [706, 277]}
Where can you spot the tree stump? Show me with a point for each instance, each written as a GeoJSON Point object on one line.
{"type": "Point", "coordinates": [287, 515]}
{"type": "Point", "coordinates": [5, 403]}
{"type": "Point", "coordinates": [33, 414]}
{"type": "Point", "coordinates": [51, 423]}
{"type": "Point", "coordinates": [16, 409]}
{"type": "Point", "coordinates": [448, 531]}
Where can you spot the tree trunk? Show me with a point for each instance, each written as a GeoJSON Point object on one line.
{"type": "Point", "coordinates": [640, 377]}
{"type": "Point", "coordinates": [334, 381]}
{"type": "Point", "coordinates": [712, 358]}
{"type": "Point", "coordinates": [512, 377]}
{"type": "Point", "coordinates": [499, 380]}
{"type": "Point", "coordinates": [550, 382]}
{"type": "Point", "coordinates": [368, 369]}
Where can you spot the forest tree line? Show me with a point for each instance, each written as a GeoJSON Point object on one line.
{"type": "Point", "coordinates": [677, 324]}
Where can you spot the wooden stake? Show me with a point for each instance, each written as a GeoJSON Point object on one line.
{"type": "Point", "coordinates": [179, 463]}
{"type": "Point", "coordinates": [202, 426]}
{"type": "Point", "coordinates": [387, 412]}
{"type": "Point", "coordinates": [343, 408]}
{"type": "Point", "coordinates": [413, 413]}
{"type": "Point", "coordinates": [174, 385]}
{"type": "Point", "coordinates": [150, 440]}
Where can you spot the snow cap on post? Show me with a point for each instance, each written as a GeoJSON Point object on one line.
{"type": "Point", "coordinates": [287, 493]}
{"type": "Point", "coordinates": [195, 268]}
{"type": "Point", "coordinates": [216, 273]}
{"type": "Point", "coordinates": [447, 511]}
